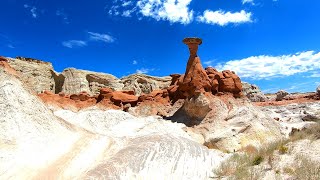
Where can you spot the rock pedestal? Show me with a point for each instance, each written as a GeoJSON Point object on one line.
{"type": "Point", "coordinates": [195, 80]}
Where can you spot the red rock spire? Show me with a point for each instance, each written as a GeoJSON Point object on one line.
{"type": "Point", "coordinates": [195, 79]}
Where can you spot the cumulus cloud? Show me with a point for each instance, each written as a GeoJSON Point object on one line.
{"type": "Point", "coordinates": [101, 37]}
{"type": "Point", "coordinates": [74, 43]}
{"type": "Point", "coordinates": [174, 11]}
{"type": "Point", "coordinates": [223, 18]}
{"type": "Point", "coordinates": [171, 10]}
{"type": "Point", "coordinates": [268, 67]}
{"type": "Point", "coordinates": [32, 9]}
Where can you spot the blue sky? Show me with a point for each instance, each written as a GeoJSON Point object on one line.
{"type": "Point", "coordinates": [274, 44]}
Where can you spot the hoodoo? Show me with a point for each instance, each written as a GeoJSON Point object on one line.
{"type": "Point", "coordinates": [195, 79]}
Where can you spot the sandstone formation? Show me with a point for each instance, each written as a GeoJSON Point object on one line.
{"type": "Point", "coordinates": [5, 65]}
{"type": "Point", "coordinates": [38, 75]}
{"type": "Point", "coordinates": [280, 95]}
{"type": "Point", "coordinates": [253, 92]}
{"type": "Point", "coordinates": [197, 80]}
{"type": "Point", "coordinates": [194, 124]}
{"type": "Point", "coordinates": [225, 122]}
{"type": "Point", "coordinates": [144, 84]}
{"type": "Point", "coordinates": [76, 81]}
{"type": "Point", "coordinates": [92, 144]}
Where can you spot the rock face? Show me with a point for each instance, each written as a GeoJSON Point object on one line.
{"type": "Point", "coordinates": [253, 92]}
{"type": "Point", "coordinates": [318, 90]}
{"type": "Point", "coordinates": [5, 65]}
{"type": "Point", "coordinates": [280, 95]}
{"type": "Point", "coordinates": [226, 123]}
{"type": "Point", "coordinates": [38, 75]}
{"type": "Point", "coordinates": [225, 81]}
{"type": "Point", "coordinates": [144, 84]}
{"type": "Point", "coordinates": [77, 81]}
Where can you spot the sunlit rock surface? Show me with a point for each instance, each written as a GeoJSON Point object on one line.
{"type": "Point", "coordinates": [92, 144]}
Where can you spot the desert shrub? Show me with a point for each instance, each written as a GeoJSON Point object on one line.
{"type": "Point", "coordinates": [288, 170]}
{"type": "Point", "coordinates": [238, 166]}
{"type": "Point", "coordinates": [312, 132]}
{"type": "Point", "coordinates": [283, 149]}
{"type": "Point", "coordinates": [245, 165]}
{"type": "Point", "coordinates": [306, 169]}
{"type": "Point", "coordinates": [257, 160]}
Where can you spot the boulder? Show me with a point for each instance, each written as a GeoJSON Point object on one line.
{"type": "Point", "coordinates": [253, 92]}
{"type": "Point", "coordinates": [120, 98]}
{"type": "Point", "coordinates": [280, 95]}
{"type": "Point", "coordinates": [231, 82]}
{"type": "Point", "coordinates": [318, 90]}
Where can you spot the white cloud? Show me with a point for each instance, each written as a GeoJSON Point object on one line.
{"type": "Point", "coordinates": [144, 70]}
{"type": "Point", "coordinates": [127, 13]}
{"type": "Point", "coordinates": [174, 11]}
{"type": "Point", "coordinates": [171, 10]}
{"type": "Point", "coordinates": [248, 1]}
{"type": "Point", "coordinates": [134, 62]}
{"type": "Point", "coordinates": [267, 67]}
{"type": "Point", "coordinates": [126, 3]}
{"type": "Point", "coordinates": [33, 10]}
{"type": "Point", "coordinates": [315, 75]}
{"type": "Point", "coordinates": [74, 43]}
{"type": "Point", "coordinates": [223, 18]}
{"type": "Point", "coordinates": [101, 37]}
{"type": "Point", "coordinates": [208, 63]}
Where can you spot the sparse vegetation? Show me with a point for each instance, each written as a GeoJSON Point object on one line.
{"type": "Point", "coordinates": [283, 149]}
{"type": "Point", "coordinates": [239, 166]}
{"type": "Point", "coordinates": [312, 133]}
{"type": "Point", "coordinates": [245, 165]}
{"type": "Point", "coordinates": [257, 160]}
{"type": "Point", "coordinates": [306, 169]}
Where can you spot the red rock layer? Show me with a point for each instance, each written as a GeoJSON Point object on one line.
{"type": "Point", "coordinates": [4, 63]}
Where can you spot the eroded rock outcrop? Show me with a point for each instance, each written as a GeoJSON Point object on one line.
{"type": "Point", "coordinates": [39, 144]}
{"type": "Point", "coordinates": [197, 80]}
{"type": "Point", "coordinates": [37, 75]}
{"type": "Point", "coordinates": [280, 95]}
{"type": "Point", "coordinates": [144, 84]}
{"type": "Point", "coordinates": [253, 92]}
{"type": "Point", "coordinates": [77, 81]}
{"type": "Point", "coordinates": [5, 65]}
